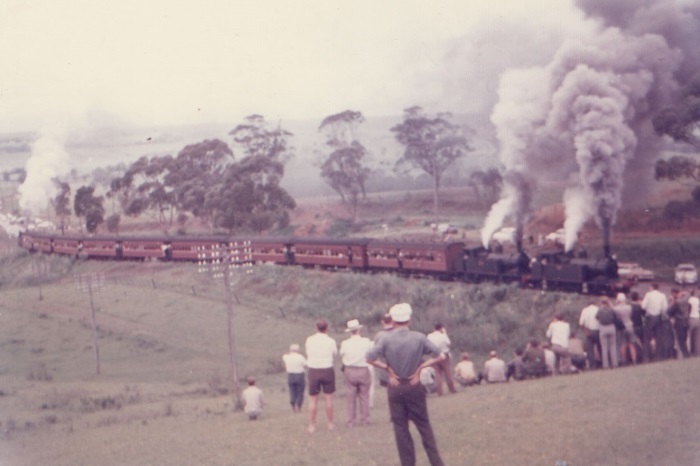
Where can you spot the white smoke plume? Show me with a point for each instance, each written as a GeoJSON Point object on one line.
{"type": "Point", "coordinates": [49, 159]}
{"type": "Point", "coordinates": [588, 114]}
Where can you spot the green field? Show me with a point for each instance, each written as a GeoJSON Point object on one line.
{"type": "Point", "coordinates": [164, 397]}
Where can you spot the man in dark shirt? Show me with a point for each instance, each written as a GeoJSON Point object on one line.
{"type": "Point", "coordinates": [637, 317]}
{"type": "Point", "coordinates": [403, 350]}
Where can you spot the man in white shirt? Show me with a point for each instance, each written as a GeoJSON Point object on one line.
{"type": "Point", "coordinates": [655, 304]}
{"type": "Point", "coordinates": [495, 369]}
{"type": "Point", "coordinates": [592, 328]}
{"type": "Point", "coordinates": [353, 354]}
{"type": "Point", "coordinates": [252, 398]}
{"type": "Point", "coordinates": [320, 352]}
{"type": "Point", "coordinates": [694, 323]}
{"type": "Point", "coordinates": [294, 364]}
{"type": "Point", "coordinates": [558, 333]}
{"type": "Point", "coordinates": [442, 368]}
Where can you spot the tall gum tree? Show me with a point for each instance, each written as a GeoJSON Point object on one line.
{"type": "Point", "coordinates": [343, 169]}
{"type": "Point", "coordinates": [431, 144]}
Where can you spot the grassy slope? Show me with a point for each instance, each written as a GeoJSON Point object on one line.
{"type": "Point", "coordinates": [164, 368]}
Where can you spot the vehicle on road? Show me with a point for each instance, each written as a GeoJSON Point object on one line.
{"type": "Point", "coordinates": [558, 236]}
{"type": "Point", "coordinates": [686, 274]}
{"type": "Point", "coordinates": [633, 271]}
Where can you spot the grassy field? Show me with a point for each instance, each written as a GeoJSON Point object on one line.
{"type": "Point", "coordinates": [164, 398]}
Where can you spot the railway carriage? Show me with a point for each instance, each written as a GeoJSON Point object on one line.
{"type": "Point", "coordinates": [350, 253]}
{"type": "Point", "coordinates": [409, 257]}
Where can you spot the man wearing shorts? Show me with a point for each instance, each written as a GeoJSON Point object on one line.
{"type": "Point", "coordinates": [320, 353]}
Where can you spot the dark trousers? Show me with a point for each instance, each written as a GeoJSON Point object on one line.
{"type": "Point", "coordinates": [681, 328]}
{"type": "Point", "coordinates": [592, 342]}
{"type": "Point", "coordinates": [651, 332]}
{"type": "Point", "coordinates": [297, 384]}
{"type": "Point", "coordinates": [408, 403]}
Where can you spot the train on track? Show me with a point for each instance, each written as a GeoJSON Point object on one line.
{"type": "Point", "coordinates": [451, 260]}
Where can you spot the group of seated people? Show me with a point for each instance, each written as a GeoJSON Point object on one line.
{"type": "Point", "coordinates": [534, 361]}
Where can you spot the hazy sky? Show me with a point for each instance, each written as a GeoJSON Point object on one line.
{"type": "Point", "coordinates": [172, 61]}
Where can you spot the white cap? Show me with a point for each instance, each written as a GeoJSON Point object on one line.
{"type": "Point", "coordinates": [401, 312]}
{"type": "Point", "coordinates": [621, 298]}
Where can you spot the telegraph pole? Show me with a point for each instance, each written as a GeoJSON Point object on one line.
{"type": "Point", "coordinates": [222, 261]}
{"type": "Point", "coordinates": [86, 283]}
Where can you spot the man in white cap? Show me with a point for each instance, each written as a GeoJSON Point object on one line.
{"type": "Point", "coordinates": [403, 350]}
{"type": "Point", "coordinates": [294, 364]}
{"type": "Point", "coordinates": [353, 354]}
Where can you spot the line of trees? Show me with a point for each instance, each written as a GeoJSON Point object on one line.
{"type": "Point", "coordinates": [237, 187]}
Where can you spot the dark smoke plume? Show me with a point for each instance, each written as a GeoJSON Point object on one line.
{"type": "Point", "coordinates": [586, 117]}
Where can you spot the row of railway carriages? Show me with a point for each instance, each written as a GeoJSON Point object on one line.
{"type": "Point", "coordinates": [443, 260]}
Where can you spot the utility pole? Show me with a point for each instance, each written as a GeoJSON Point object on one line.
{"type": "Point", "coordinates": [222, 261]}
{"type": "Point", "coordinates": [86, 283]}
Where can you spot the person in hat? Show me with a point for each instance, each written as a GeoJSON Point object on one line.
{"type": "Point", "coordinates": [401, 353]}
{"type": "Point", "coordinates": [353, 352]}
{"type": "Point", "coordinates": [253, 401]}
{"type": "Point", "coordinates": [320, 354]}
{"type": "Point", "coordinates": [294, 364]}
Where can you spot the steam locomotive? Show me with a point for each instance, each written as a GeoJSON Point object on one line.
{"type": "Point", "coordinates": [452, 260]}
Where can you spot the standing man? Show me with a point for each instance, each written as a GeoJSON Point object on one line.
{"type": "Point", "coordinates": [320, 351]}
{"type": "Point", "coordinates": [592, 327]}
{"type": "Point", "coordinates": [654, 304]}
{"type": "Point", "coordinates": [353, 354]}
{"type": "Point", "coordinates": [558, 333]}
{"type": "Point", "coordinates": [443, 368]}
{"type": "Point", "coordinates": [294, 364]}
{"type": "Point", "coordinates": [679, 312]}
{"type": "Point", "coordinates": [403, 350]}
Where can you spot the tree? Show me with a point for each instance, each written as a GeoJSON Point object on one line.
{"type": "Point", "coordinates": [61, 202]}
{"type": "Point", "coordinates": [256, 139]}
{"type": "Point", "coordinates": [343, 169]}
{"type": "Point", "coordinates": [87, 205]}
{"type": "Point", "coordinates": [431, 144]}
{"type": "Point", "coordinates": [194, 172]}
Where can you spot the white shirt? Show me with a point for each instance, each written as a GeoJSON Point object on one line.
{"type": "Point", "coordinates": [353, 351]}
{"type": "Point", "coordinates": [694, 307]}
{"type": "Point", "coordinates": [441, 340]}
{"type": "Point", "coordinates": [253, 399]}
{"type": "Point", "coordinates": [320, 351]}
{"type": "Point", "coordinates": [427, 376]}
{"type": "Point", "coordinates": [495, 370]}
{"type": "Point", "coordinates": [559, 332]}
{"type": "Point", "coordinates": [294, 363]}
{"type": "Point", "coordinates": [588, 319]}
{"type": "Point", "coordinates": [655, 303]}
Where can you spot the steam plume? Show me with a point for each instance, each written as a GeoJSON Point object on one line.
{"type": "Point", "coordinates": [586, 115]}
{"type": "Point", "coordinates": [48, 160]}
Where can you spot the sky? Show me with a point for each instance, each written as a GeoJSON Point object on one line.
{"type": "Point", "coordinates": [165, 62]}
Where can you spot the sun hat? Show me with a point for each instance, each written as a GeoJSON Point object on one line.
{"type": "Point", "coordinates": [401, 312]}
{"type": "Point", "coordinates": [353, 325]}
